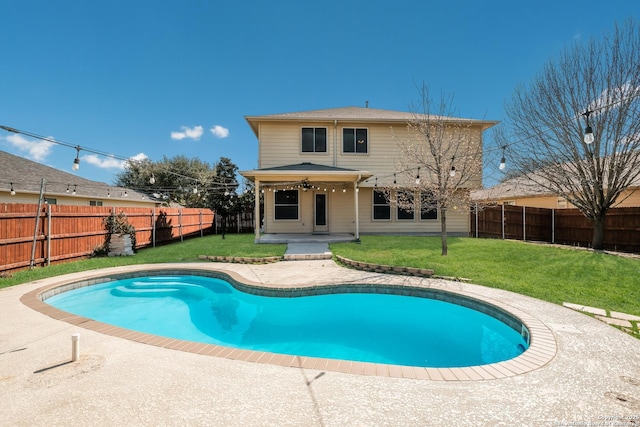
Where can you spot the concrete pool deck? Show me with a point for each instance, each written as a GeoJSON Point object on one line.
{"type": "Point", "coordinates": [593, 378]}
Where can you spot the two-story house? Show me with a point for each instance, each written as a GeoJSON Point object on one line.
{"type": "Point", "coordinates": [317, 170]}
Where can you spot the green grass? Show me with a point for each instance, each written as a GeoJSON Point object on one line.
{"type": "Point", "coordinates": [549, 273]}
{"type": "Point", "coordinates": [186, 251]}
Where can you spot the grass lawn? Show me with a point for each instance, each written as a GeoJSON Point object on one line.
{"type": "Point", "coordinates": [187, 251]}
{"type": "Point", "coordinates": [544, 272]}
{"type": "Point", "coordinates": [549, 273]}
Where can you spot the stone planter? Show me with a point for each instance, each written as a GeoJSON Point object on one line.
{"type": "Point", "coordinates": [120, 245]}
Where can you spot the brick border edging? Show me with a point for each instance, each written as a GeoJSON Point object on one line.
{"type": "Point", "coordinates": [381, 268]}
{"type": "Point", "coordinates": [241, 260]}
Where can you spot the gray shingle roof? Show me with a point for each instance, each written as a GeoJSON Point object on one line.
{"type": "Point", "coordinates": [308, 167]}
{"type": "Point", "coordinates": [27, 175]}
{"type": "Point", "coordinates": [360, 114]}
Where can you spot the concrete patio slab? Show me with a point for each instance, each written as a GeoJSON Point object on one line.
{"type": "Point", "coordinates": [593, 375]}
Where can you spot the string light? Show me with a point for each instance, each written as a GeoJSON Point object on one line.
{"type": "Point", "coordinates": [503, 161]}
{"type": "Point", "coordinates": [74, 189]}
{"type": "Point", "coordinates": [67, 188]}
{"type": "Point", "coordinates": [152, 180]}
{"type": "Point", "coordinates": [418, 177]}
{"type": "Point", "coordinates": [452, 173]}
{"type": "Point", "coordinates": [588, 132]}
{"type": "Point", "coordinates": [13, 192]}
{"type": "Point", "coordinates": [76, 161]}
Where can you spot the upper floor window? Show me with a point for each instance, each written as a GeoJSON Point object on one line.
{"type": "Point", "coordinates": [381, 206]}
{"type": "Point", "coordinates": [314, 140]}
{"type": "Point", "coordinates": [355, 140]}
{"type": "Point", "coordinates": [286, 204]}
{"type": "Point", "coordinates": [95, 202]}
{"type": "Point", "coordinates": [51, 200]}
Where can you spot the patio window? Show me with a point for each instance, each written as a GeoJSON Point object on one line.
{"type": "Point", "coordinates": [286, 204]}
{"type": "Point", "coordinates": [405, 197]}
{"type": "Point", "coordinates": [314, 140]}
{"type": "Point", "coordinates": [355, 140]}
{"type": "Point", "coordinates": [428, 206]}
{"type": "Point", "coordinates": [381, 206]}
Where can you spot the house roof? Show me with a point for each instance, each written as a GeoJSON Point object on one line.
{"type": "Point", "coordinates": [359, 114]}
{"type": "Point", "coordinates": [307, 171]}
{"type": "Point", "coordinates": [307, 167]}
{"type": "Point", "coordinates": [520, 187]}
{"type": "Point", "coordinates": [27, 175]}
{"type": "Point", "coordinates": [515, 187]}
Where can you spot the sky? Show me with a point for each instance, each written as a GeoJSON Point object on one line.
{"type": "Point", "coordinates": [152, 79]}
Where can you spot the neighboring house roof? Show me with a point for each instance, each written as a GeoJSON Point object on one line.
{"type": "Point", "coordinates": [515, 187]}
{"type": "Point", "coordinates": [27, 175]}
{"type": "Point", "coordinates": [519, 187]}
{"type": "Point", "coordinates": [359, 114]}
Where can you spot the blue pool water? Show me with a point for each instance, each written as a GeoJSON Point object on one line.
{"type": "Point", "coordinates": [380, 328]}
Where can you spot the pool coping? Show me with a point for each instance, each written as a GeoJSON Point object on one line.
{"type": "Point", "coordinates": [542, 347]}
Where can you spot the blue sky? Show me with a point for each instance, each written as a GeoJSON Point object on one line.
{"type": "Point", "coordinates": [165, 78]}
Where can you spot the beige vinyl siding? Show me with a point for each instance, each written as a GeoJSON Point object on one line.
{"type": "Point", "coordinates": [281, 144]}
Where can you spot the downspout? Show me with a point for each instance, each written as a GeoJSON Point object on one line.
{"type": "Point", "coordinates": [356, 195]}
{"type": "Point", "coordinates": [335, 143]}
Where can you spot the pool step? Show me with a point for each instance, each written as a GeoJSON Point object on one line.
{"type": "Point", "coordinates": [307, 251]}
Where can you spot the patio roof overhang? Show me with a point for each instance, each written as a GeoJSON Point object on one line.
{"type": "Point", "coordinates": [306, 172]}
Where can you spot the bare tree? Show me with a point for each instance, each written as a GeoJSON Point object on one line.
{"type": "Point", "coordinates": [592, 88]}
{"type": "Point", "coordinates": [440, 160]}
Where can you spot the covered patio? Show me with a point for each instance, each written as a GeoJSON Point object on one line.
{"type": "Point", "coordinates": [322, 203]}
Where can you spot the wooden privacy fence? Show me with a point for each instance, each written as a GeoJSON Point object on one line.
{"type": "Point", "coordinates": [562, 226]}
{"type": "Point", "coordinates": [59, 232]}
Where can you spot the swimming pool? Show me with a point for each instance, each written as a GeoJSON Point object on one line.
{"type": "Point", "coordinates": [377, 324]}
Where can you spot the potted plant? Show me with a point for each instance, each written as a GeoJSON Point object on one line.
{"type": "Point", "coordinates": [121, 236]}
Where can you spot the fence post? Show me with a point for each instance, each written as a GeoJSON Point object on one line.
{"type": "Point", "coordinates": [201, 230]}
{"type": "Point", "coordinates": [477, 220]}
{"type": "Point", "coordinates": [503, 221]}
{"type": "Point", "coordinates": [180, 223]}
{"type": "Point", "coordinates": [35, 229]}
{"type": "Point", "coordinates": [48, 235]}
{"type": "Point", "coordinates": [524, 223]}
{"type": "Point", "coordinates": [153, 226]}
{"type": "Point", "coordinates": [553, 225]}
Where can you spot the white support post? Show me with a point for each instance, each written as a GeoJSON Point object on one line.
{"type": "Point", "coordinates": [256, 219]}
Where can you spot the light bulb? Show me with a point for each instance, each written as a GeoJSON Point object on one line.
{"type": "Point", "coordinates": [588, 135]}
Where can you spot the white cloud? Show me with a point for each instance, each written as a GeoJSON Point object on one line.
{"type": "Point", "coordinates": [219, 131]}
{"type": "Point", "coordinates": [194, 133]}
{"type": "Point", "coordinates": [37, 150]}
{"type": "Point", "coordinates": [139, 157]}
{"type": "Point", "coordinates": [110, 162]}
